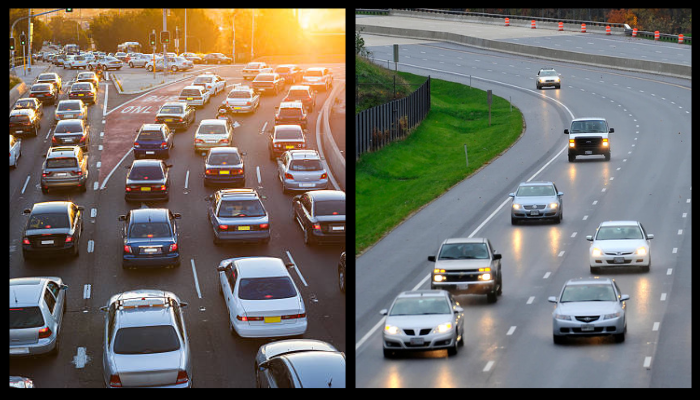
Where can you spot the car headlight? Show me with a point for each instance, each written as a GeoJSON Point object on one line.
{"type": "Point", "coordinates": [562, 317]}
{"type": "Point", "coordinates": [556, 79]}
{"type": "Point", "coordinates": [516, 206]}
{"type": "Point", "coordinates": [443, 328]}
{"type": "Point", "coordinates": [485, 277]}
{"type": "Point", "coordinates": [642, 251]}
{"type": "Point", "coordinates": [613, 315]}
{"type": "Point", "coordinates": [596, 252]}
{"type": "Point", "coordinates": [572, 143]}
{"type": "Point", "coordinates": [391, 330]}
{"type": "Point", "coordinates": [553, 205]}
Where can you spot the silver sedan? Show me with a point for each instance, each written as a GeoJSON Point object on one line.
{"type": "Point", "coordinates": [536, 200]}
{"type": "Point", "coordinates": [589, 307]}
{"type": "Point", "coordinates": [423, 320]}
{"type": "Point", "coordinates": [145, 341]}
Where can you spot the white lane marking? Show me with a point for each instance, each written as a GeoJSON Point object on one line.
{"type": "Point", "coordinates": [297, 269]}
{"type": "Point", "coordinates": [647, 362]}
{"type": "Point", "coordinates": [530, 300]}
{"type": "Point", "coordinates": [86, 291]}
{"type": "Point", "coordinates": [663, 297]}
{"type": "Point", "coordinates": [187, 178]}
{"type": "Point", "coordinates": [257, 172]}
{"type": "Point", "coordinates": [196, 282]}
{"type": "Point", "coordinates": [510, 331]}
{"type": "Point", "coordinates": [488, 366]}
{"type": "Point", "coordinates": [546, 275]}
{"type": "Point", "coordinates": [656, 326]}
{"type": "Point", "coordinates": [93, 213]}
{"type": "Point", "coordinates": [104, 183]}
{"type": "Point", "coordinates": [81, 358]}
{"type": "Point", "coordinates": [90, 246]}
{"type": "Point", "coordinates": [25, 184]}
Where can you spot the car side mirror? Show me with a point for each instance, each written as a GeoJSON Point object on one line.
{"type": "Point", "coordinates": [431, 258]}
{"type": "Point", "coordinates": [624, 297]}
{"type": "Point", "coordinates": [650, 236]}
{"type": "Point", "coordinates": [26, 211]}
{"type": "Point", "coordinates": [183, 304]}
{"type": "Point", "coordinates": [566, 131]}
{"type": "Point", "coordinates": [511, 194]}
{"type": "Point", "coordinates": [384, 311]}
{"type": "Point", "coordinates": [589, 238]}
{"type": "Point", "coordinates": [560, 194]}
{"type": "Point", "coordinates": [458, 309]}
{"type": "Point", "coordinates": [611, 130]}
{"type": "Point", "coordinates": [121, 218]}
{"type": "Point", "coordinates": [497, 256]}
{"type": "Point", "coordinates": [177, 215]}
{"type": "Point", "coordinates": [552, 299]}
{"type": "Point", "coordinates": [169, 165]}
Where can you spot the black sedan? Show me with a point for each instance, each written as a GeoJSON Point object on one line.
{"type": "Point", "coordinates": [176, 114]}
{"type": "Point", "coordinates": [216, 58]}
{"type": "Point", "coordinates": [54, 227]}
{"type": "Point", "coordinates": [224, 166]}
{"type": "Point", "coordinates": [147, 180]}
{"type": "Point", "coordinates": [150, 238]}
{"type": "Point", "coordinates": [321, 215]}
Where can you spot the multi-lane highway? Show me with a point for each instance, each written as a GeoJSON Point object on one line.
{"type": "Point", "coordinates": [509, 343]}
{"type": "Point", "coordinates": [219, 359]}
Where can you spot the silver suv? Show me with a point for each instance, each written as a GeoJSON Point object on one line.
{"type": "Point", "coordinates": [64, 167]}
{"type": "Point", "coordinates": [37, 306]}
{"type": "Point", "coordinates": [145, 340]}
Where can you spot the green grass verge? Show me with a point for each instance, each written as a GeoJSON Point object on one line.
{"type": "Point", "coordinates": [404, 176]}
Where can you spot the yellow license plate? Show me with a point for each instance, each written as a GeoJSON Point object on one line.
{"type": "Point", "coordinates": [168, 120]}
{"type": "Point", "coordinates": [145, 189]}
{"type": "Point", "coordinates": [289, 147]}
{"type": "Point", "coordinates": [81, 94]}
{"type": "Point", "coordinates": [190, 98]}
{"type": "Point", "coordinates": [224, 172]}
{"type": "Point", "coordinates": [269, 320]}
{"type": "Point", "coordinates": [244, 228]}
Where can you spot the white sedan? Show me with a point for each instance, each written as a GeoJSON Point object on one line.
{"type": "Point", "coordinates": [620, 244]}
{"type": "Point", "coordinates": [261, 297]}
{"type": "Point", "coordinates": [15, 150]}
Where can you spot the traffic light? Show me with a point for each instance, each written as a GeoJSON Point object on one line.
{"type": "Point", "coordinates": [152, 38]}
{"type": "Point", "coordinates": [69, 10]}
{"type": "Point", "coordinates": [12, 43]}
{"type": "Point", "coordinates": [22, 39]}
{"type": "Point", "coordinates": [165, 37]}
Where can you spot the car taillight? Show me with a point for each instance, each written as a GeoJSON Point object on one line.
{"type": "Point", "coordinates": [324, 175]}
{"type": "Point", "coordinates": [69, 239]}
{"type": "Point", "coordinates": [54, 140]}
{"type": "Point", "coordinates": [248, 319]}
{"type": "Point", "coordinates": [173, 247]}
{"type": "Point", "coordinates": [199, 141]}
{"type": "Point", "coordinates": [294, 316]}
{"type": "Point", "coordinates": [82, 138]}
{"type": "Point", "coordinates": [237, 171]}
{"type": "Point", "coordinates": [114, 381]}
{"type": "Point", "coordinates": [317, 227]}
{"type": "Point", "coordinates": [127, 249]}
{"type": "Point", "coordinates": [45, 174]}
{"type": "Point", "coordinates": [182, 377]}
{"type": "Point", "coordinates": [161, 187]}
{"type": "Point", "coordinates": [223, 227]}
{"type": "Point", "coordinates": [137, 145]}
{"type": "Point", "coordinates": [264, 226]}
{"type": "Point", "coordinates": [25, 241]}
{"type": "Point", "coordinates": [44, 332]}
{"type": "Point", "coordinates": [164, 145]}
{"type": "Point", "coordinates": [223, 141]}
{"type": "Point", "coordinates": [248, 103]}
{"type": "Point", "coordinates": [78, 173]}
{"type": "Point", "coordinates": [287, 175]}
{"type": "Point", "coordinates": [210, 172]}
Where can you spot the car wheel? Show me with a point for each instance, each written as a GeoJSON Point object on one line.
{"type": "Point", "coordinates": [620, 337]}
{"type": "Point", "coordinates": [388, 353]}
{"type": "Point", "coordinates": [452, 351]}
{"type": "Point", "coordinates": [595, 270]}
{"type": "Point", "coordinates": [492, 297]}
{"type": "Point", "coordinates": [572, 157]}
{"type": "Point", "coordinates": [513, 221]}
{"type": "Point", "coordinates": [559, 339]}
{"type": "Point", "coordinates": [499, 291]}
{"type": "Point", "coordinates": [149, 69]}
{"type": "Point", "coordinates": [607, 156]}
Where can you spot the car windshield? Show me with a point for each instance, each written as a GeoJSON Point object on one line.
{"type": "Point", "coordinates": [305, 165]}
{"type": "Point", "coordinates": [253, 65]}
{"type": "Point", "coordinates": [145, 230]}
{"type": "Point", "coordinates": [170, 110]}
{"type": "Point", "coordinates": [592, 292]}
{"type": "Point", "coordinates": [150, 136]}
{"type": "Point", "coordinates": [268, 288]}
{"type": "Point", "coordinates": [288, 134]}
{"type": "Point", "coordinates": [282, 70]}
{"type": "Point", "coordinates": [241, 208]}
{"type": "Point", "coordinates": [48, 221]}
{"type": "Point", "coordinates": [190, 92]}
{"type": "Point", "coordinates": [264, 78]}
{"type": "Point", "coordinates": [26, 317]}
{"type": "Point", "coordinates": [549, 72]}
{"type": "Point", "coordinates": [228, 158]}
{"type": "Point", "coordinates": [461, 251]}
{"type": "Point", "coordinates": [146, 172]}
{"type": "Point", "coordinates": [618, 233]}
{"type": "Point", "coordinates": [46, 77]}
{"type": "Point", "coordinates": [541, 190]}
{"type": "Point", "coordinates": [202, 79]}
{"type": "Point", "coordinates": [41, 88]}
{"type": "Point", "coordinates": [61, 162]}
{"type": "Point", "coordinates": [313, 73]}
{"type": "Point", "coordinates": [146, 340]}
{"type": "Point", "coordinates": [24, 103]}
{"type": "Point", "coordinates": [420, 306]}
{"type": "Point", "coordinates": [329, 207]}
{"type": "Point", "coordinates": [69, 127]}
{"type": "Point", "coordinates": [588, 127]}
{"type": "Point", "coordinates": [213, 129]}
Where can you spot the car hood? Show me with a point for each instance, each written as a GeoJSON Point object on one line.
{"type": "Point", "coordinates": [527, 200]}
{"type": "Point", "coordinates": [588, 307]}
{"type": "Point", "coordinates": [470, 263]}
{"type": "Point", "coordinates": [418, 321]}
{"type": "Point", "coordinates": [619, 245]}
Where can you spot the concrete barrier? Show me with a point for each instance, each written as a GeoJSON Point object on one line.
{"type": "Point", "coordinates": [660, 68]}
{"type": "Point", "coordinates": [334, 158]}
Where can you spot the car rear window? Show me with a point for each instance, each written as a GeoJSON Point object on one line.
{"type": "Point", "coordinates": [190, 93]}
{"type": "Point", "coordinates": [48, 221]}
{"type": "Point", "coordinates": [305, 165]}
{"type": "Point", "coordinates": [41, 88]}
{"type": "Point", "coordinates": [239, 94]}
{"type": "Point", "coordinates": [241, 208]}
{"type": "Point", "coordinates": [81, 86]}
{"type": "Point", "coordinates": [146, 172]}
{"type": "Point", "coordinates": [150, 230]}
{"type": "Point", "coordinates": [68, 106]}
{"type": "Point", "coordinates": [146, 340]}
{"type": "Point", "coordinates": [282, 70]}
{"type": "Point", "coordinates": [202, 79]}
{"type": "Point", "coordinates": [264, 78]}
{"type": "Point", "coordinates": [26, 317]}
{"type": "Point", "coordinates": [287, 134]}
{"type": "Point", "coordinates": [69, 127]}
{"type": "Point", "coordinates": [64, 162]}
{"type": "Point", "coordinates": [313, 73]}
{"type": "Point", "coordinates": [24, 103]}
{"type": "Point", "coordinates": [46, 77]}
{"type": "Point", "coordinates": [329, 207]}
{"type": "Point", "coordinates": [253, 65]}
{"type": "Point", "coordinates": [298, 94]}
{"type": "Point", "coordinates": [290, 112]}
{"type": "Point", "coordinates": [150, 136]}
{"type": "Point", "coordinates": [213, 129]}
{"type": "Point", "coordinates": [170, 110]}
{"type": "Point", "coordinates": [271, 288]}
{"type": "Point", "coordinates": [224, 159]}
{"type": "Point", "coordinates": [19, 118]}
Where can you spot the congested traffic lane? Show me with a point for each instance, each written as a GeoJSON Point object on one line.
{"type": "Point", "coordinates": [649, 171]}
{"type": "Point", "coordinates": [213, 347]}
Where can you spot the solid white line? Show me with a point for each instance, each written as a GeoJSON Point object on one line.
{"type": "Point", "coordinates": [196, 282]}
{"type": "Point", "coordinates": [296, 268]}
{"type": "Point", "coordinates": [81, 358]}
{"type": "Point", "coordinates": [104, 108]}
{"type": "Point", "coordinates": [93, 213]}
{"type": "Point", "coordinates": [104, 183]}
{"type": "Point", "coordinates": [187, 178]}
{"type": "Point", "coordinates": [369, 333]}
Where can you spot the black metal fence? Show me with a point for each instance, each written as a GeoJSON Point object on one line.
{"type": "Point", "coordinates": [383, 124]}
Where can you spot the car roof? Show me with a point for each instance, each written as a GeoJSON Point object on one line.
{"type": "Point", "coordinates": [619, 223]}
{"type": "Point", "coordinates": [536, 183]}
{"type": "Point", "coordinates": [149, 215]}
{"type": "Point", "coordinates": [589, 119]}
{"type": "Point", "coordinates": [212, 121]}
{"type": "Point", "coordinates": [318, 368]}
{"type": "Point", "coordinates": [27, 291]}
{"type": "Point", "coordinates": [226, 149]}
{"type": "Point", "coordinates": [62, 151]}
{"type": "Point", "coordinates": [243, 192]}
{"type": "Point", "coordinates": [174, 103]}
{"type": "Point", "coordinates": [299, 87]}
{"type": "Point", "coordinates": [260, 267]}
{"type": "Point", "coordinates": [327, 194]}
{"type": "Point", "coordinates": [316, 68]}
{"type": "Point", "coordinates": [304, 154]}
{"type": "Point", "coordinates": [154, 310]}
{"type": "Point", "coordinates": [465, 240]}
{"type": "Point", "coordinates": [280, 347]}
{"type": "Point", "coordinates": [151, 127]}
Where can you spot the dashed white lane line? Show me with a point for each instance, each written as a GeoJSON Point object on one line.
{"type": "Point", "coordinates": [196, 281]}
{"type": "Point", "coordinates": [488, 366]}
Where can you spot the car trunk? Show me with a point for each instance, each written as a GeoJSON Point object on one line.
{"type": "Point", "coordinates": [137, 370]}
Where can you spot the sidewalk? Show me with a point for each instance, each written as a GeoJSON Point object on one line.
{"type": "Point", "coordinates": [27, 77]}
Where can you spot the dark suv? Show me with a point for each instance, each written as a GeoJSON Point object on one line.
{"type": "Point", "coordinates": [176, 115]}
{"type": "Point", "coordinates": [64, 167]}
{"type": "Point", "coordinates": [24, 121]}
{"type": "Point", "coordinates": [53, 227]}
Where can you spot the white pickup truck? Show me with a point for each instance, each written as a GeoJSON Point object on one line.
{"type": "Point", "coordinates": [589, 136]}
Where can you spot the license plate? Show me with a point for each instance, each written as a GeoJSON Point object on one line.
{"type": "Point", "coordinates": [150, 250]}
{"type": "Point", "coordinates": [244, 228]}
{"type": "Point", "coordinates": [307, 184]}
{"type": "Point", "coordinates": [19, 350]}
{"type": "Point", "coordinates": [417, 341]}
{"type": "Point", "coordinates": [619, 260]}
{"type": "Point", "coordinates": [47, 241]}
{"type": "Point", "coordinates": [587, 328]}
{"type": "Point", "coordinates": [80, 94]}
{"type": "Point", "coordinates": [463, 286]}
{"type": "Point", "coordinates": [236, 108]}
{"type": "Point", "coordinates": [145, 189]}
{"type": "Point", "coordinates": [19, 131]}
{"type": "Point", "coordinates": [289, 146]}
{"type": "Point", "coordinates": [224, 172]}
{"type": "Point", "coordinates": [150, 152]}
{"type": "Point", "coordinates": [168, 120]}
{"type": "Point", "coordinates": [270, 320]}
{"type": "Point", "coordinates": [337, 228]}
{"type": "Point", "coordinates": [61, 174]}
{"type": "Point", "coordinates": [190, 98]}
{"type": "Point", "coordinates": [534, 212]}
{"type": "Point", "coordinates": [588, 152]}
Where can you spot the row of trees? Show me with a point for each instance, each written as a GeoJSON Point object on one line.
{"type": "Point", "coordinates": [277, 31]}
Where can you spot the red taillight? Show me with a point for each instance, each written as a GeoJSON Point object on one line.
{"type": "Point", "coordinates": [287, 175]}
{"type": "Point", "coordinates": [182, 377]}
{"type": "Point", "coordinates": [137, 145]}
{"type": "Point", "coordinates": [317, 227]}
{"type": "Point", "coordinates": [294, 316]}
{"type": "Point", "coordinates": [264, 226]}
{"type": "Point", "coordinates": [324, 175]}
{"type": "Point", "coordinates": [25, 241]}
{"type": "Point", "coordinates": [173, 247]}
{"type": "Point", "coordinates": [164, 145]}
{"type": "Point", "coordinates": [127, 249]}
{"type": "Point", "coordinates": [114, 381]}
{"type": "Point", "coordinates": [127, 188]}
{"type": "Point", "coordinates": [82, 139]}
{"type": "Point", "coordinates": [199, 141]}
{"type": "Point", "coordinates": [54, 140]}
{"type": "Point", "coordinates": [44, 332]}
{"type": "Point", "coordinates": [210, 172]}
{"type": "Point", "coordinates": [223, 227]}
{"type": "Point", "coordinates": [69, 239]}
{"type": "Point", "coordinates": [249, 319]}
{"type": "Point", "coordinates": [161, 187]}
{"type": "Point", "coordinates": [223, 141]}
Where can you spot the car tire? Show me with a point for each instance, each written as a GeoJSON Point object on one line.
{"type": "Point", "coordinates": [595, 270]}
{"type": "Point", "coordinates": [559, 339]}
{"type": "Point", "coordinates": [607, 156]}
{"type": "Point", "coordinates": [388, 353]}
{"type": "Point", "coordinates": [572, 157]}
{"type": "Point", "coordinates": [452, 351]}
{"type": "Point", "coordinates": [619, 337]}
{"type": "Point", "coordinates": [492, 297]}
{"type": "Point", "coordinates": [513, 221]}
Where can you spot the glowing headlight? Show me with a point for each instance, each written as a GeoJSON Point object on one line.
{"type": "Point", "coordinates": [596, 252]}
{"type": "Point", "coordinates": [485, 277]}
{"type": "Point", "coordinates": [391, 330]}
{"type": "Point", "coordinates": [516, 206]}
{"type": "Point", "coordinates": [438, 278]}
{"type": "Point", "coordinates": [572, 143]}
{"type": "Point", "coordinates": [642, 251]}
{"type": "Point", "coordinates": [605, 142]}
{"type": "Point", "coordinates": [553, 205]}
{"type": "Point", "coordinates": [443, 328]}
